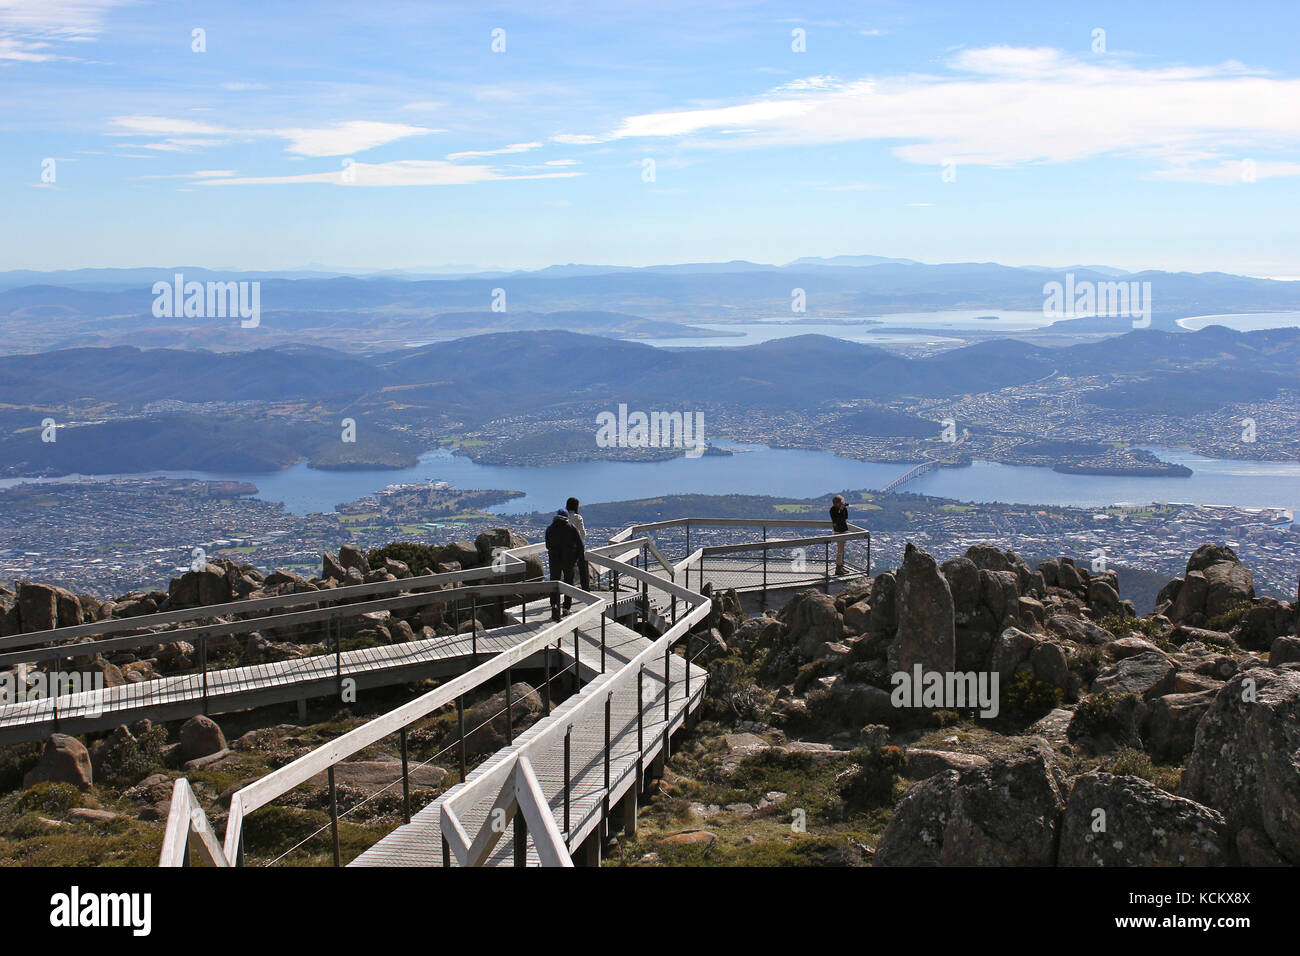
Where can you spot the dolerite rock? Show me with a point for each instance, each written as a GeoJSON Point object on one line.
{"type": "Point", "coordinates": [1067, 576]}
{"type": "Point", "coordinates": [397, 569]}
{"type": "Point", "coordinates": [496, 539]}
{"type": "Point", "coordinates": [963, 579]}
{"type": "Point", "coordinates": [1103, 599]}
{"type": "Point", "coordinates": [353, 558]}
{"type": "Point", "coordinates": [330, 569]}
{"type": "Point", "coordinates": [925, 632]}
{"type": "Point", "coordinates": [1079, 630]}
{"type": "Point", "coordinates": [1245, 761]}
{"type": "Point", "coordinates": [63, 759]}
{"type": "Point", "coordinates": [988, 557]}
{"type": "Point", "coordinates": [914, 836]}
{"type": "Point", "coordinates": [1268, 620]}
{"type": "Point", "coordinates": [38, 606]}
{"type": "Point", "coordinates": [1148, 675]}
{"type": "Point", "coordinates": [1000, 594]}
{"type": "Point", "coordinates": [200, 736]}
{"type": "Point", "coordinates": [1228, 584]}
{"type": "Point", "coordinates": [486, 721]}
{"type": "Point", "coordinates": [1170, 731]}
{"type": "Point", "coordinates": [1004, 814]}
{"type": "Point", "coordinates": [1211, 554]}
{"type": "Point", "coordinates": [1142, 826]}
{"type": "Point", "coordinates": [857, 617]}
{"type": "Point", "coordinates": [884, 604]}
{"type": "Point", "coordinates": [1189, 606]}
{"type": "Point", "coordinates": [1285, 650]}
{"type": "Point", "coordinates": [1051, 572]}
{"type": "Point", "coordinates": [463, 553]}
{"type": "Point", "coordinates": [813, 621]}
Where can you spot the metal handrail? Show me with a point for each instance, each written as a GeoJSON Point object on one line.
{"type": "Point", "coordinates": [276, 784]}
{"type": "Point", "coordinates": [490, 783]}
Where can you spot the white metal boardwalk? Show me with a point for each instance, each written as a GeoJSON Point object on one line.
{"type": "Point", "coordinates": [419, 843]}
{"type": "Point", "coordinates": [552, 791]}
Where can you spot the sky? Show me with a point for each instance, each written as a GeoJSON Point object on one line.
{"type": "Point", "coordinates": [393, 135]}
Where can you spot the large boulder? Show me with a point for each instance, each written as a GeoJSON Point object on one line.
{"type": "Point", "coordinates": [813, 621]}
{"type": "Point", "coordinates": [486, 722]}
{"type": "Point", "coordinates": [1170, 731]}
{"type": "Point", "coordinates": [38, 606]}
{"type": "Point", "coordinates": [1126, 821]}
{"type": "Point", "coordinates": [462, 553]}
{"type": "Point", "coordinates": [963, 577]}
{"type": "Point", "coordinates": [1246, 760]}
{"type": "Point", "coordinates": [1189, 606]}
{"type": "Point", "coordinates": [884, 604]}
{"type": "Point", "coordinates": [63, 759]}
{"type": "Point", "coordinates": [201, 737]}
{"type": "Point", "coordinates": [925, 633]}
{"type": "Point", "coordinates": [496, 539]}
{"type": "Point", "coordinates": [352, 558]}
{"type": "Point", "coordinates": [1004, 814]}
{"type": "Point", "coordinates": [1148, 675]}
{"type": "Point", "coordinates": [914, 836]}
{"type": "Point", "coordinates": [1228, 585]}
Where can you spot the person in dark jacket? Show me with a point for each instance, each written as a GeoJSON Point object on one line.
{"type": "Point", "coordinates": [563, 547]}
{"type": "Point", "coordinates": [840, 525]}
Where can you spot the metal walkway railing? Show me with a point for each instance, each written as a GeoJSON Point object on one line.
{"type": "Point", "coordinates": [551, 791]}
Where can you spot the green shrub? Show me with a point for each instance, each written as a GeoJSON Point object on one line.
{"type": "Point", "coordinates": [1122, 626]}
{"type": "Point", "coordinates": [1135, 763]}
{"type": "Point", "coordinates": [418, 557]}
{"type": "Point", "coordinates": [1229, 618]}
{"type": "Point", "coordinates": [1030, 696]}
{"type": "Point", "coordinates": [874, 782]}
{"type": "Point", "coordinates": [1086, 663]}
{"type": "Point", "coordinates": [132, 760]}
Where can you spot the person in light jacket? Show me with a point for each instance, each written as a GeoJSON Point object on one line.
{"type": "Point", "coordinates": [575, 519]}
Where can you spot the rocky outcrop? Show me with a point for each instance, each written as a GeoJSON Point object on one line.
{"type": "Point", "coordinates": [925, 633]}
{"type": "Point", "coordinates": [1244, 760]}
{"type": "Point", "coordinates": [486, 722]}
{"type": "Point", "coordinates": [1004, 814]}
{"type": "Point", "coordinates": [1126, 821]}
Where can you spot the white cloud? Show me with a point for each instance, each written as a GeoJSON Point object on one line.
{"type": "Point", "coordinates": [1228, 172]}
{"type": "Point", "coordinates": [1003, 106]}
{"type": "Point", "coordinates": [340, 139]}
{"type": "Point", "coordinates": [31, 29]}
{"type": "Point", "coordinates": [513, 148]}
{"type": "Point", "coordinates": [410, 172]}
{"type": "Point", "coordinates": [344, 139]}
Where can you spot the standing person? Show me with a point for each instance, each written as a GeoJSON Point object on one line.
{"type": "Point", "coordinates": [562, 549]}
{"type": "Point", "coordinates": [575, 519]}
{"type": "Point", "coordinates": [840, 525]}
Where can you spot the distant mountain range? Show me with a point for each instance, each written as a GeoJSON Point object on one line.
{"type": "Point", "coordinates": [405, 399]}
{"type": "Point", "coordinates": [377, 313]}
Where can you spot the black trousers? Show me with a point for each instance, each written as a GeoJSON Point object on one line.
{"type": "Point", "coordinates": [561, 572]}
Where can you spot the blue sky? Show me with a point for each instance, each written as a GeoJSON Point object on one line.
{"type": "Point", "coordinates": [389, 135]}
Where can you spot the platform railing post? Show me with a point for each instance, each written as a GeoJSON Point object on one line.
{"type": "Point", "coordinates": [473, 627]}
{"type": "Point", "coordinates": [828, 567]}
{"type": "Point", "coordinates": [577, 663]}
{"type": "Point", "coordinates": [203, 658]}
{"type": "Point", "coordinates": [640, 727]}
{"type": "Point", "coordinates": [546, 684]}
{"type": "Point", "coordinates": [406, 780]}
{"type": "Point", "coordinates": [460, 726]}
{"type": "Point", "coordinates": [602, 643]}
{"type": "Point", "coordinates": [608, 749]}
{"type": "Point", "coordinates": [763, 594]}
{"type": "Point", "coordinates": [510, 717]}
{"type": "Point", "coordinates": [521, 839]}
{"type": "Point", "coordinates": [334, 815]}
{"type": "Point", "coordinates": [568, 748]}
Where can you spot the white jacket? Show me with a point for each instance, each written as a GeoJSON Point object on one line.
{"type": "Point", "coordinates": [575, 519]}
